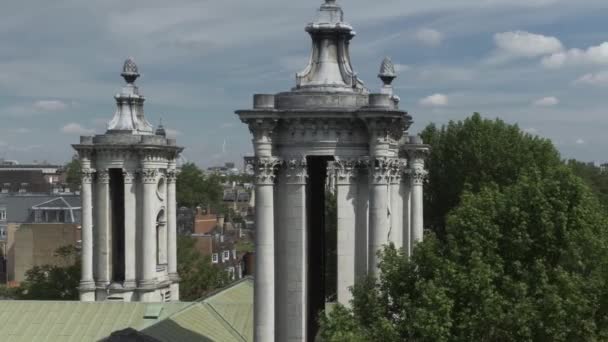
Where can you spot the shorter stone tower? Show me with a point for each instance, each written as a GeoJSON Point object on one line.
{"type": "Point", "coordinates": [128, 206]}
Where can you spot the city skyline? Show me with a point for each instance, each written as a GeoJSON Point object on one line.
{"type": "Point", "coordinates": [539, 63]}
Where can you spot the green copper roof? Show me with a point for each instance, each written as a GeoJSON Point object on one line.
{"type": "Point", "coordinates": [225, 316]}
{"type": "Point", "coordinates": [73, 321]}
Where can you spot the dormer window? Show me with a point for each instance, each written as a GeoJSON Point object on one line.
{"type": "Point", "coordinates": [214, 258]}
{"type": "Point", "coordinates": [6, 188]}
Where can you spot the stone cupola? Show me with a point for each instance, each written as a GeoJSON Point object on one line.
{"type": "Point", "coordinates": [129, 116]}
{"type": "Point", "coordinates": [330, 68]}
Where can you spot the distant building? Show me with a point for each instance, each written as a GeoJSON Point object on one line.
{"type": "Point", "coordinates": [31, 178]}
{"type": "Point", "coordinates": [35, 226]}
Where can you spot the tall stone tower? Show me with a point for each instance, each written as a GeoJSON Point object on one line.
{"type": "Point", "coordinates": [328, 119]}
{"type": "Point", "coordinates": [128, 206]}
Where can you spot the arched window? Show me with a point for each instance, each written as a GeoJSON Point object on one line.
{"type": "Point", "coordinates": [161, 238]}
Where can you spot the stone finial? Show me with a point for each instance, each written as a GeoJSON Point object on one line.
{"type": "Point", "coordinates": [387, 71]}
{"type": "Point", "coordinates": [160, 130]}
{"type": "Point", "coordinates": [129, 71]}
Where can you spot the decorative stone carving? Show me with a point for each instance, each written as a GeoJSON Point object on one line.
{"type": "Point", "coordinates": [346, 170]}
{"type": "Point", "coordinates": [418, 176]}
{"type": "Point", "coordinates": [397, 171]}
{"type": "Point", "coordinates": [265, 170]}
{"type": "Point", "coordinates": [262, 129]}
{"type": "Point", "coordinates": [87, 176]}
{"type": "Point", "coordinates": [149, 176]}
{"type": "Point", "coordinates": [172, 176]}
{"type": "Point", "coordinates": [296, 171]}
{"type": "Point", "coordinates": [129, 176]}
{"type": "Point", "coordinates": [381, 170]}
{"type": "Point", "coordinates": [103, 177]}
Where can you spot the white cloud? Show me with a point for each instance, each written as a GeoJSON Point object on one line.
{"type": "Point", "coordinates": [74, 128]}
{"type": "Point", "coordinates": [599, 78]}
{"type": "Point", "coordinates": [50, 105]}
{"type": "Point", "coordinates": [547, 102]}
{"type": "Point", "coordinates": [531, 130]}
{"type": "Point", "coordinates": [23, 130]}
{"type": "Point", "coordinates": [401, 67]}
{"type": "Point", "coordinates": [580, 141]}
{"type": "Point", "coordinates": [429, 37]}
{"type": "Point", "coordinates": [436, 100]}
{"type": "Point", "coordinates": [594, 55]}
{"type": "Point", "coordinates": [521, 44]}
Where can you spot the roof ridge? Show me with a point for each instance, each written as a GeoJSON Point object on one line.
{"type": "Point", "coordinates": [225, 322]}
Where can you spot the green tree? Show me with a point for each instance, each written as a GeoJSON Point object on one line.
{"type": "Point", "coordinates": [594, 177]}
{"type": "Point", "coordinates": [472, 153]}
{"type": "Point", "coordinates": [53, 282]}
{"type": "Point", "coordinates": [526, 262]}
{"type": "Point", "coordinates": [73, 169]}
{"type": "Point", "coordinates": [194, 188]}
{"type": "Point", "coordinates": [197, 273]}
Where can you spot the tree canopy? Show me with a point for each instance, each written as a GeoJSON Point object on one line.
{"type": "Point", "coordinates": [473, 153]}
{"type": "Point", "coordinates": [522, 253]}
{"type": "Point", "coordinates": [194, 188]}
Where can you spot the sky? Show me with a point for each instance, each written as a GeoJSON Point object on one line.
{"type": "Point", "coordinates": [542, 64]}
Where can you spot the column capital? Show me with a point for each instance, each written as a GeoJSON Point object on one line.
{"type": "Point", "coordinates": [129, 176]}
{"type": "Point", "coordinates": [418, 176]}
{"type": "Point", "coordinates": [296, 170]}
{"type": "Point", "coordinates": [265, 170]}
{"type": "Point", "coordinates": [346, 170]}
{"type": "Point", "coordinates": [87, 176]}
{"type": "Point", "coordinates": [103, 176]}
{"type": "Point", "coordinates": [397, 171]}
{"type": "Point", "coordinates": [381, 169]}
{"type": "Point", "coordinates": [171, 175]}
{"type": "Point", "coordinates": [148, 175]}
{"type": "Point", "coordinates": [418, 153]}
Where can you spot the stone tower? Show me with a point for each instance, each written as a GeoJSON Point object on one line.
{"type": "Point", "coordinates": [329, 119]}
{"type": "Point", "coordinates": [128, 206]}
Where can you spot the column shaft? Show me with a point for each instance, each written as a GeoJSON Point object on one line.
{"type": "Point", "coordinates": [103, 229]}
{"type": "Point", "coordinates": [172, 233]}
{"type": "Point", "coordinates": [149, 178]}
{"type": "Point", "coordinates": [264, 291]}
{"type": "Point", "coordinates": [378, 213]}
{"type": "Point", "coordinates": [406, 197]}
{"type": "Point", "coordinates": [396, 234]}
{"type": "Point", "coordinates": [417, 206]}
{"type": "Point", "coordinates": [346, 195]}
{"type": "Point", "coordinates": [130, 228]}
{"type": "Point", "coordinates": [87, 284]}
{"type": "Point", "coordinates": [362, 224]}
{"type": "Point", "coordinates": [296, 252]}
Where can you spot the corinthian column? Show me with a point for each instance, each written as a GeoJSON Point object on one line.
{"type": "Point", "coordinates": [378, 210]}
{"type": "Point", "coordinates": [264, 291]}
{"type": "Point", "coordinates": [346, 194]}
{"type": "Point", "coordinates": [296, 256]}
{"type": "Point", "coordinates": [149, 178]}
{"type": "Point", "coordinates": [130, 228]}
{"type": "Point", "coordinates": [172, 231]}
{"type": "Point", "coordinates": [417, 176]}
{"type": "Point", "coordinates": [396, 233]}
{"type": "Point", "coordinates": [87, 284]}
{"type": "Point", "coordinates": [103, 230]}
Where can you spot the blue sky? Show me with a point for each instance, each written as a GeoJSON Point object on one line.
{"type": "Point", "coordinates": [540, 63]}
